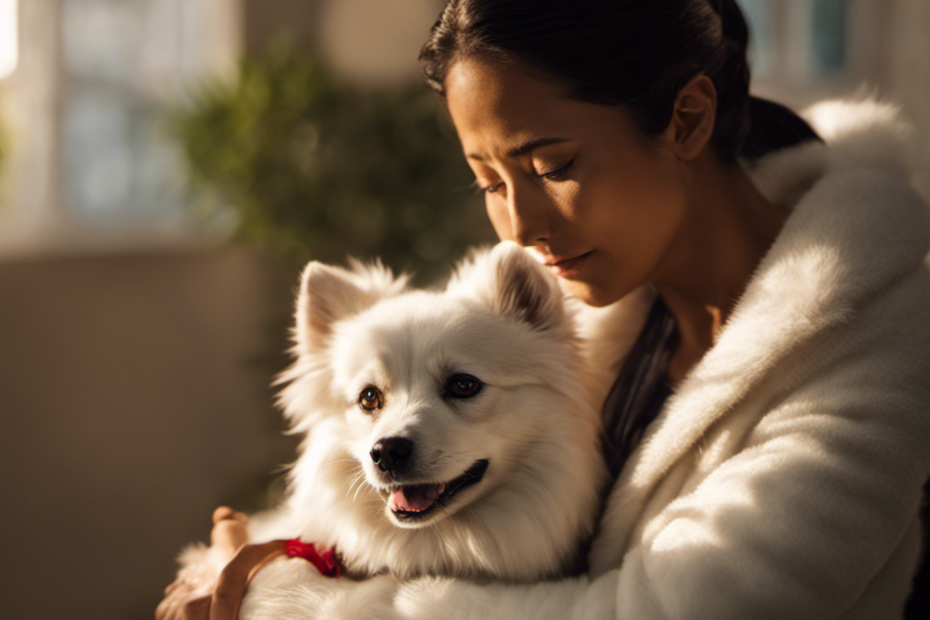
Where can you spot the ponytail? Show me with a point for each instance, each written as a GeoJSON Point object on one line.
{"type": "Point", "coordinates": [754, 126]}
{"type": "Point", "coordinates": [773, 127]}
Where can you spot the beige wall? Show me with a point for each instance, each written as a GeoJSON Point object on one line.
{"type": "Point", "coordinates": [372, 41]}
{"type": "Point", "coordinates": [264, 20]}
{"type": "Point", "coordinates": [131, 404]}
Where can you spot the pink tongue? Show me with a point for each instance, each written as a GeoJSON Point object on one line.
{"type": "Point", "coordinates": [415, 498]}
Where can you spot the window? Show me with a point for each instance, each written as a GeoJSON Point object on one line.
{"type": "Point", "coordinates": [828, 35]}
{"type": "Point", "coordinates": [762, 48]}
{"type": "Point", "coordinates": [90, 157]}
{"type": "Point", "coordinates": [9, 42]}
{"type": "Point", "coordinates": [800, 49]}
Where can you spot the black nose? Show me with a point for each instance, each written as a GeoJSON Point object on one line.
{"type": "Point", "coordinates": [392, 454]}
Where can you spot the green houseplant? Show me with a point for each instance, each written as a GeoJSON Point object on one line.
{"type": "Point", "coordinates": [316, 168]}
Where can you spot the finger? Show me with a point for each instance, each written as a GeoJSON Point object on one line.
{"type": "Point", "coordinates": [224, 513]}
{"type": "Point", "coordinates": [171, 607]}
{"type": "Point", "coordinates": [227, 597]}
{"type": "Point", "coordinates": [197, 608]}
{"type": "Point", "coordinates": [230, 535]}
{"type": "Point", "coordinates": [161, 612]}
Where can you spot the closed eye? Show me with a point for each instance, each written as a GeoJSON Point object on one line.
{"type": "Point", "coordinates": [553, 175]}
{"type": "Point", "coordinates": [487, 189]}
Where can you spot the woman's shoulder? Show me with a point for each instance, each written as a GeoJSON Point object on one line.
{"type": "Point", "coordinates": [856, 221]}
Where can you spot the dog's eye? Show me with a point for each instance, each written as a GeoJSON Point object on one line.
{"type": "Point", "coordinates": [370, 399]}
{"type": "Point", "coordinates": [463, 386]}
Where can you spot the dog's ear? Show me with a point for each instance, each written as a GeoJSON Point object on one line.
{"type": "Point", "coordinates": [521, 288]}
{"type": "Point", "coordinates": [330, 294]}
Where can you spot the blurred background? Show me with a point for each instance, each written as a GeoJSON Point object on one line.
{"type": "Point", "coordinates": [165, 168]}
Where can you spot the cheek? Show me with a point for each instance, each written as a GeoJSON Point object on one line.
{"type": "Point", "coordinates": [637, 212]}
{"type": "Point", "coordinates": [500, 219]}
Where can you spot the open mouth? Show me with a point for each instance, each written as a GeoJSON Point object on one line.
{"type": "Point", "coordinates": [415, 502]}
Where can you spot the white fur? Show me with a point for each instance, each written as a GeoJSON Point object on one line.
{"type": "Point", "coordinates": [857, 134]}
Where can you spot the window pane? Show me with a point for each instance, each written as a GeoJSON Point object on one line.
{"type": "Point", "coordinates": [97, 153]}
{"type": "Point", "coordinates": [828, 36]}
{"type": "Point", "coordinates": [118, 168]}
{"type": "Point", "coordinates": [761, 21]}
{"type": "Point", "coordinates": [125, 60]}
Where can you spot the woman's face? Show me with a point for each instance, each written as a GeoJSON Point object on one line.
{"type": "Point", "coordinates": [576, 183]}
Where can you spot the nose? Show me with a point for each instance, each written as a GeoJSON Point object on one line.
{"type": "Point", "coordinates": [393, 454]}
{"type": "Point", "coordinates": [528, 216]}
{"type": "Point", "coordinates": [524, 218]}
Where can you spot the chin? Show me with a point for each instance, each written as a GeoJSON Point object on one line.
{"type": "Point", "coordinates": [590, 295]}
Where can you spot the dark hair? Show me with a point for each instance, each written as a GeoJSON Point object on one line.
{"type": "Point", "coordinates": [634, 53]}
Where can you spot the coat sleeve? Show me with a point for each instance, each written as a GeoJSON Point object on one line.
{"type": "Point", "coordinates": [287, 589]}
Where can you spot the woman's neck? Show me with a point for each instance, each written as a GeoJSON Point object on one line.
{"type": "Point", "coordinates": [729, 228]}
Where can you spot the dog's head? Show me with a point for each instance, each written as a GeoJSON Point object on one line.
{"type": "Point", "coordinates": [444, 391]}
{"type": "Point", "coordinates": [458, 406]}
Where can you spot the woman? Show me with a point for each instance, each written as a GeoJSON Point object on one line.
{"type": "Point", "coordinates": [769, 429]}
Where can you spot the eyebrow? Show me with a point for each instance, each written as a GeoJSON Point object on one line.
{"type": "Point", "coordinates": [527, 147]}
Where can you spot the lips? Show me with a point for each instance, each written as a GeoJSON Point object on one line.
{"type": "Point", "coordinates": [568, 267]}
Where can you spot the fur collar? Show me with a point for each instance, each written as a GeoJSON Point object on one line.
{"type": "Point", "coordinates": [858, 134]}
{"type": "Point", "coordinates": [850, 206]}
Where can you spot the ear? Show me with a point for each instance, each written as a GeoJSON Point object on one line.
{"type": "Point", "coordinates": [330, 294]}
{"type": "Point", "coordinates": [519, 287]}
{"type": "Point", "coordinates": [693, 118]}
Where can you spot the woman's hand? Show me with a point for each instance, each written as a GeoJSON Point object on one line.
{"type": "Point", "coordinates": [199, 593]}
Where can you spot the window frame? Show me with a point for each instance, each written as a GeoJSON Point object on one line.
{"type": "Point", "coordinates": [791, 81]}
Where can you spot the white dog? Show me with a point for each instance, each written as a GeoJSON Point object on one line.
{"type": "Point", "coordinates": [448, 433]}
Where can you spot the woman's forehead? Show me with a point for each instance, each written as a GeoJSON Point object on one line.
{"type": "Point", "coordinates": [501, 108]}
{"type": "Point", "coordinates": [481, 94]}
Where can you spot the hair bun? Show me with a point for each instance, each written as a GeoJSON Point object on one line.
{"type": "Point", "coordinates": [732, 21]}
{"type": "Point", "coordinates": [731, 78]}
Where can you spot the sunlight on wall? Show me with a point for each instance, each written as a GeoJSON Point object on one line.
{"type": "Point", "coordinates": [376, 41]}
{"type": "Point", "coordinates": [9, 41]}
